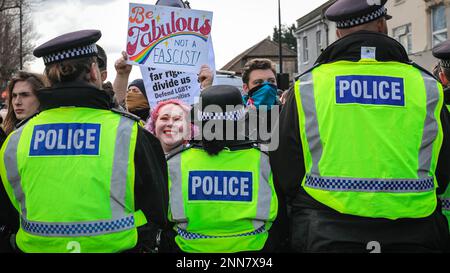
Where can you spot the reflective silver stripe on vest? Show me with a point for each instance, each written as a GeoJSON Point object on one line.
{"type": "Point", "coordinates": [264, 193]}
{"type": "Point", "coordinates": [12, 170]}
{"type": "Point", "coordinates": [431, 128]}
{"type": "Point", "coordinates": [445, 203]}
{"type": "Point", "coordinates": [402, 185]}
{"type": "Point", "coordinates": [369, 185]}
{"type": "Point", "coordinates": [176, 191]}
{"type": "Point", "coordinates": [120, 167]}
{"type": "Point", "coordinates": [78, 229]}
{"type": "Point", "coordinates": [311, 121]}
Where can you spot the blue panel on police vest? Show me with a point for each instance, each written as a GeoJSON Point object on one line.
{"type": "Point", "coordinates": [65, 139]}
{"type": "Point", "coordinates": [377, 90]}
{"type": "Point", "coordinates": [220, 186]}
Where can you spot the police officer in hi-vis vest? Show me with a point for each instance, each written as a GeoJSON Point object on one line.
{"type": "Point", "coordinates": [362, 144]}
{"type": "Point", "coordinates": [222, 197]}
{"type": "Point", "coordinates": [442, 52]}
{"type": "Point", "coordinates": [82, 177]}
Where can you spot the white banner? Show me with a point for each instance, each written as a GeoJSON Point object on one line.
{"type": "Point", "coordinates": [168, 38]}
{"type": "Point", "coordinates": [162, 85]}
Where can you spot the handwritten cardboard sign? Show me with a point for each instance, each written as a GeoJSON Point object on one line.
{"type": "Point", "coordinates": [162, 85]}
{"type": "Point", "coordinates": [168, 38]}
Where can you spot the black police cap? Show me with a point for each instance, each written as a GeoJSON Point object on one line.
{"type": "Point", "coordinates": [214, 102]}
{"type": "Point", "coordinates": [442, 52]}
{"type": "Point", "coordinates": [69, 46]}
{"type": "Point", "coordinates": [171, 3]}
{"type": "Point", "coordinates": [351, 13]}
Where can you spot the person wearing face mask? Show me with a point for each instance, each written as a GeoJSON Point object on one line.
{"type": "Point", "coordinates": [261, 98]}
{"type": "Point", "coordinates": [136, 99]}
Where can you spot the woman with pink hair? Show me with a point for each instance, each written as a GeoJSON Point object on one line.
{"type": "Point", "coordinates": [169, 122]}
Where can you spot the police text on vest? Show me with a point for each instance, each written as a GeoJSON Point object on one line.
{"type": "Point", "coordinates": [376, 90]}
{"type": "Point", "coordinates": [65, 139]}
{"type": "Point", "coordinates": [220, 185]}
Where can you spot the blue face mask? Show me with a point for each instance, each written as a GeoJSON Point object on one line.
{"type": "Point", "coordinates": [264, 94]}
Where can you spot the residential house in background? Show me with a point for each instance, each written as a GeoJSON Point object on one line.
{"type": "Point", "coordinates": [267, 49]}
{"type": "Point", "coordinates": [314, 33]}
{"type": "Point", "coordinates": [418, 25]}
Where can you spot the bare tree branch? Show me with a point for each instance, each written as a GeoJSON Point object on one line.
{"type": "Point", "coordinates": [7, 5]}
{"type": "Point", "coordinates": [10, 46]}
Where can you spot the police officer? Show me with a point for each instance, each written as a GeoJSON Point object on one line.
{"type": "Point", "coordinates": [222, 197]}
{"type": "Point", "coordinates": [360, 153]}
{"type": "Point", "coordinates": [102, 59]}
{"type": "Point", "coordinates": [442, 52]}
{"type": "Point", "coordinates": [83, 178]}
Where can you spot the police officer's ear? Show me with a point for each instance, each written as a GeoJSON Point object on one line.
{"type": "Point", "coordinates": [338, 33]}
{"type": "Point", "coordinates": [382, 26]}
{"type": "Point", "coordinates": [443, 78]}
{"type": "Point", "coordinates": [104, 75]}
{"type": "Point", "coordinates": [95, 75]}
{"type": "Point", "coordinates": [245, 88]}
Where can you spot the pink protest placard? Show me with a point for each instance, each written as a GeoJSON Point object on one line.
{"type": "Point", "coordinates": [168, 38]}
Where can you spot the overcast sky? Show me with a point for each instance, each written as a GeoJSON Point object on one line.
{"type": "Point", "coordinates": [237, 24]}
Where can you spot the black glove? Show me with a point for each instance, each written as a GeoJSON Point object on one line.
{"type": "Point", "coordinates": [6, 235]}
{"type": "Point", "coordinates": [153, 239]}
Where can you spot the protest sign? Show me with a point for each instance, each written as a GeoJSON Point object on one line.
{"type": "Point", "coordinates": [168, 38]}
{"type": "Point", "coordinates": [162, 85]}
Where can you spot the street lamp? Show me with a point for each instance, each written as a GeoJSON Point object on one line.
{"type": "Point", "coordinates": [279, 38]}
{"type": "Point", "coordinates": [20, 34]}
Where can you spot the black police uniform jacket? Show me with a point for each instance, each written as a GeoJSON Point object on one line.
{"type": "Point", "coordinates": [447, 96]}
{"type": "Point", "coordinates": [151, 186]}
{"type": "Point", "coordinates": [287, 161]}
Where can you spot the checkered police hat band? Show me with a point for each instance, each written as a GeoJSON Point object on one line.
{"type": "Point", "coordinates": [362, 20]}
{"type": "Point", "coordinates": [445, 63]}
{"type": "Point", "coordinates": [73, 53]}
{"type": "Point", "coordinates": [230, 116]}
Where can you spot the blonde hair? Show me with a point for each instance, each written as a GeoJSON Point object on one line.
{"type": "Point", "coordinates": [70, 70]}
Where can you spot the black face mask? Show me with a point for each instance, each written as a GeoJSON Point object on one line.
{"type": "Point", "coordinates": [142, 113]}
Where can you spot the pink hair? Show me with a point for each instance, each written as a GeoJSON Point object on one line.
{"type": "Point", "coordinates": [151, 122]}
